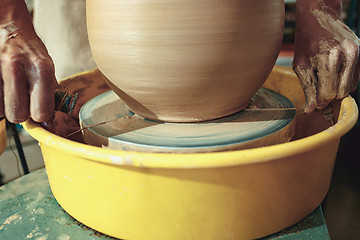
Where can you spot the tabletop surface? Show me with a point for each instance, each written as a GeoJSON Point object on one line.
{"type": "Point", "coordinates": [28, 210]}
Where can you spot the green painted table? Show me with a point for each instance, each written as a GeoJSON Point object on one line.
{"type": "Point", "coordinates": [28, 210]}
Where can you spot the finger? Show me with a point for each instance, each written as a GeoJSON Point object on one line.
{"type": "Point", "coordinates": [308, 82]}
{"type": "Point", "coordinates": [356, 76]}
{"type": "Point", "coordinates": [16, 98]}
{"type": "Point", "coordinates": [39, 54]}
{"type": "Point", "coordinates": [328, 66]}
{"type": "Point", "coordinates": [351, 53]}
{"type": "Point", "coordinates": [2, 111]}
{"type": "Point", "coordinates": [42, 90]}
{"type": "Point", "coordinates": [50, 126]}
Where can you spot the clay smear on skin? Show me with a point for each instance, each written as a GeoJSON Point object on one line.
{"type": "Point", "coordinates": [339, 29]}
{"type": "Point", "coordinates": [344, 36]}
{"type": "Point", "coordinates": [326, 63]}
{"type": "Point", "coordinates": [6, 32]}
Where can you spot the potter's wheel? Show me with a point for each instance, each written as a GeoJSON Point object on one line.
{"type": "Point", "coordinates": [109, 123]}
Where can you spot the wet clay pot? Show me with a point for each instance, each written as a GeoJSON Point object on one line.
{"type": "Point", "coordinates": [182, 60]}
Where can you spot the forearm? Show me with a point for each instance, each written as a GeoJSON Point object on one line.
{"type": "Point", "coordinates": [335, 5]}
{"type": "Point", "coordinates": [303, 6]}
{"type": "Point", "coordinates": [13, 9]}
{"type": "Point", "coordinates": [309, 13]}
{"type": "Point", "coordinates": [14, 17]}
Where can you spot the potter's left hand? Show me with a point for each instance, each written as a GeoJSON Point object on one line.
{"type": "Point", "coordinates": [326, 54]}
{"type": "Point", "coordinates": [27, 79]}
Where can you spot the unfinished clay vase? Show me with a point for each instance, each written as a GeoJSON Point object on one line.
{"type": "Point", "coordinates": [182, 60]}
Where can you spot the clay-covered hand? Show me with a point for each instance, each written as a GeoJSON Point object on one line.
{"type": "Point", "coordinates": [27, 80]}
{"type": "Point", "coordinates": [326, 53]}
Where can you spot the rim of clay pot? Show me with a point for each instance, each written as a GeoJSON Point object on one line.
{"type": "Point", "coordinates": [348, 117]}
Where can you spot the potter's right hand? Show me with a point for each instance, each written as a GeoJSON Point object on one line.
{"type": "Point", "coordinates": [27, 79]}
{"type": "Point", "coordinates": [326, 58]}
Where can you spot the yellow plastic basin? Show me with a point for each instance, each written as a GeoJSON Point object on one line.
{"type": "Point", "coordinates": [241, 194]}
